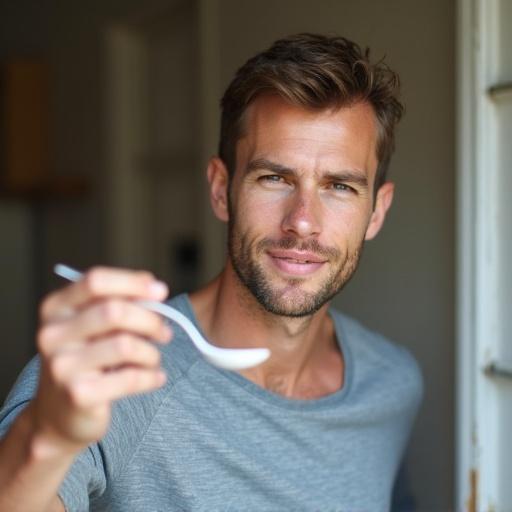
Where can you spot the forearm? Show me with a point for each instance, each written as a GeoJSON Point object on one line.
{"type": "Point", "coordinates": [31, 469]}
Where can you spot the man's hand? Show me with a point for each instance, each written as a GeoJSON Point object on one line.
{"type": "Point", "coordinates": [93, 342]}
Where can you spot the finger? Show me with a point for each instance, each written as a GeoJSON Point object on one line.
{"type": "Point", "coordinates": [92, 391]}
{"type": "Point", "coordinates": [105, 354]}
{"type": "Point", "coordinates": [121, 349]}
{"type": "Point", "coordinates": [103, 318]}
{"type": "Point", "coordinates": [101, 282]}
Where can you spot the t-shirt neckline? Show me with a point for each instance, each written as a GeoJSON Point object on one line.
{"type": "Point", "coordinates": [275, 398]}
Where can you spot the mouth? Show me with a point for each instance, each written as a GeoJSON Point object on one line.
{"type": "Point", "coordinates": [296, 263]}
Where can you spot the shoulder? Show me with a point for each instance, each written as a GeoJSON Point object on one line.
{"type": "Point", "coordinates": [20, 395]}
{"type": "Point", "coordinates": [372, 345]}
{"type": "Point", "coordinates": [376, 357]}
{"type": "Point", "coordinates": [132, 416]}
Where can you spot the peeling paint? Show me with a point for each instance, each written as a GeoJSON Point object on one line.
{"type": "Point", "coordinates": [471, 504]}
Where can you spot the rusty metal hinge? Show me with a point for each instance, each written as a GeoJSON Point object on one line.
{"type": "Point", "coordinates": [498, 369]}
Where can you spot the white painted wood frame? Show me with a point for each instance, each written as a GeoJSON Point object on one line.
{"type": "Point", "coordinates": [484, 297]}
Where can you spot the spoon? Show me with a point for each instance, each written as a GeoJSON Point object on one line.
{"type": "Point", "coordinates": [227, 358]}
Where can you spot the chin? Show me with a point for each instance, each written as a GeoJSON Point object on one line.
{"type": "Point", "coordinates": [293, 303]}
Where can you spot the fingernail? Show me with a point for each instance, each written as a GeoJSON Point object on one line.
{"type": "Point", "coordinates": [158, 289]}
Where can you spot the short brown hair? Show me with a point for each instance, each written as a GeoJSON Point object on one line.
{"type": "Point", "coordinates": [315, 72]}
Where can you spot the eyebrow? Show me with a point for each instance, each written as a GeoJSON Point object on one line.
{"type": "Point", "coordinates": [350, 176]}
{"type": "Point", "coordinates": [263, 163]}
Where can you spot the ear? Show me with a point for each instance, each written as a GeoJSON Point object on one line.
{"type": "Point", "coordinates": [382, 203]}
{"type": "Point", "coordinates": [218, 178]}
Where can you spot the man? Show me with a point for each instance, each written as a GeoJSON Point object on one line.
{"type": "Point", "coordinates": [306, 139]}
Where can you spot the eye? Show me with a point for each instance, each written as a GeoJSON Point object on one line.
{"type": "Point", "coordinates": [271, 178]}
{"type": "Point", "coordinates": [341, 187]}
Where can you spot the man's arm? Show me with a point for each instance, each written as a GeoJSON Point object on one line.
{"type": "Point", "coordinates": [93, 348]}
{"type": "Point", "coordinates": [30, 475]}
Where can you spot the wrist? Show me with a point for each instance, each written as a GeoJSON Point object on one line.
{"type": "Point", "coordinates": [43, 443]}
{"type": "Point", "coordinates": [32, 467]}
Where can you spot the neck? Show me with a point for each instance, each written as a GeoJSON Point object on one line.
{"type": "Point", "coordinates": [305, 361]}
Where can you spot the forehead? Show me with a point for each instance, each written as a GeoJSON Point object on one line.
{"type": "Point", "coordinates": [304, 138]}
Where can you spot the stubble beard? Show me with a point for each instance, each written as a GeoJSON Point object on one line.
{"type": "Point", "coordinates": [290, 300]}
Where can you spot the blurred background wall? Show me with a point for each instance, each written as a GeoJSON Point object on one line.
{"type": "Point", "coordinates": [134, 90]}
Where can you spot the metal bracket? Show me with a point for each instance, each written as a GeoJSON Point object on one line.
{"type": "Point", "coordinates": [497, 91]}
{"type": "Point", "coordinates": [494, 369]}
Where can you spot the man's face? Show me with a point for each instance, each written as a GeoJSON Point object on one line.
{"type": "Point", "coordinates": [300, 202]}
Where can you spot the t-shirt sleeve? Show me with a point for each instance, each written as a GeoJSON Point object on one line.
{"type": "Point", "coordinates": [84, 481]}
{"type": "Point", "coordinates": [86, 477]}
{"type": "Point", "coordinates": [20, 395]}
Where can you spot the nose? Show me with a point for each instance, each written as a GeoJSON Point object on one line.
{"type": "Point", "coordinates": [303, 215]}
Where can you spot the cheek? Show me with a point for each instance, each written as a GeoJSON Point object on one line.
{"type": "Point", "coordinates": [345, 224]}
{"type": "Point", "coordinates": [345, 228]}
{"type": "Point", "coordinates": [257, 209]}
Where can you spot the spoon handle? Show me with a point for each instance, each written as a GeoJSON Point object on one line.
{"type": "Point", "coordinates": [67, 272]}
{"type": "Point", "coordinates": [169, 312]}
{"type": "Point", "coordinates": [173, 314]}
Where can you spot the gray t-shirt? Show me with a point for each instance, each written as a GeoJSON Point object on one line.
{"type": "Point", "coordinates": [210, 440]}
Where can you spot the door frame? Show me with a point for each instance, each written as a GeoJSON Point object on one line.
{"type": "Point", "coordinates": [126, 84]}
{"type": "Point", "coordinates": [466, 469]}
{"type": "Point", "coordinates": [480, 384]}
